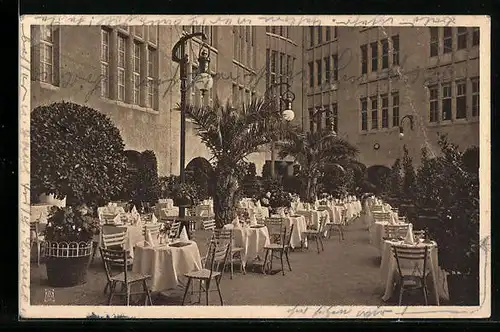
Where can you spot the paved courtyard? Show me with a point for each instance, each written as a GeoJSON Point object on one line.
{"type": "Point", "coordinates": [346, 273]}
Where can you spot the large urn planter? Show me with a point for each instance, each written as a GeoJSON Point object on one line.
{"type": "Point", "coordinates": [67, 262]}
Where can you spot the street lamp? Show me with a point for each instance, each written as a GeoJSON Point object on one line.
{"type": "Point", "coordinates": [320, 110]}
{"type": "Point", "coordinates": [202, 81]}
{"type": "Point", "coordinates": [401, 130]}
{"type": "Point", "coordinates": [288, 115]}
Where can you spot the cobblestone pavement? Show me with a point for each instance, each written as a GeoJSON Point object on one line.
{"type": "Point", "coordinates": [345, 273]}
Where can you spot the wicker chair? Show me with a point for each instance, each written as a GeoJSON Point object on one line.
{"type": "Point", "coordinates": [126, 278]}
{"type": "Point", "coordinates": [395, 231]}
{"type": "Point", "coordinates": [316, 234]}
{"type": "Point", "coordinates": [223, 236]}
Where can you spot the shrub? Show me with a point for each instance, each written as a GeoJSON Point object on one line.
{"type": "Point", "coordinates": [408, 183]}
{"type": "Point", "coordinates": [144, 184]}
{"type": "Point", "coordinates": [70, 225]}
{"type": "Point", "coordinates": [77, 153]}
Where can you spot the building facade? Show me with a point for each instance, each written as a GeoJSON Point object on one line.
{"type": "Point", "coordinates": [368, 79]}
{"type": "Point", "coordinates": [364, 81]}
{"type": "Point", "coordinates": [127, 73]}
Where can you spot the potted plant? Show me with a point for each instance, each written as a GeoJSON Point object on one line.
{"type": "Point", "coordinates": [184, 195]}
{"type": "Point", "coordinates": [77, 154]}
{"type": "Point", "coordinates": [279, 199]}
{"type": "Point", "coordinates": [68, 245]}
{"type": "Point", "coordinates": [456, 228]}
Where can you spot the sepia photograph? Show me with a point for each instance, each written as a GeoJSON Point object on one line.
{"type": "Point", "coordinates": [254, 166]}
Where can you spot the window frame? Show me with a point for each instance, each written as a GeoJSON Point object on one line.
{"type": "Point", "coordinates": [461, 98]}
{"type": "Point", "coordinates": [105, 63]}
{"type": "Point", "coordinates": [364, 59]}
{"type": "Point", "coordinates": [434, 41]}
{"type": "Point", "coordinates": [374, 56]}
{"type": "Point", "coordinates": [319, 72]}
{"type": "Point", "coordinates": [374, 111]}
{"type": "Point", "coordinates": [385, 53]}
{"type": "Point", "coordinates": [475, 36]}
{"type": "Point", "coordinates": [446, 101]}
{"type": "Point", "coordinates": [47, 46]}
{"type": "Point", "coordinates": [447, 39]}
{"type": "Point", "coordinates": [475, 97]}
{"type": "Point", "coordinates": [121, 69]}
{"type": "Point", "coordinates": [395, 109]}
{"type": "Point", "coordinates": [385, 111]}
{"type": "Point", "coordinates": [462, 35]}
{"type": "Point", "coordinates": [364, 113]}
{"type": "Point", "coordinates": [311, 74]}
{"type": "Point", "coordinates": [434, 103]}
{"type": "Point", "coordinates": [395, 50]}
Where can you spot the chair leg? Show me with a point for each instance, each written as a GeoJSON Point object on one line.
{"type": "Point", "coordinates": [424, 289]}
{"type": "Point", "coordinates": [321, 241]}
{"type": "Point", "coordinates": [232, 266]}
{"type": "Point", "coordinates": [265, 262]}
{"type": "Point", "coordinates": [287, 260]}
{"type": "Point", "coordinates": [108, 285]}
{"type": "Point", "coordinates": [271, 263]}
{"type": "Point", "coordinates": [148, 293]}
{"type": "Point", "coordinates": [199, 293]}
{"type": "Point", "coordinates": [217, 281]}
{"type": "Point", "coordinates": [401, 290]}
{"type": "Point", "coordinates": [281, 259]}
{"type": "Point", "coordinates": [111, 291]}
{"type": "Point", "coordinates": [317, 243]}
{"type": "Point", "coordinates": [186, 290]}
{"type": "Point", "coordinates": [330, 229]}
{"type": "Point", "coordinates": [128, 294]}
{"type": "Point", "coordinates": [207, 288]}
{"type": "Point", "coordinates": [38, 253]}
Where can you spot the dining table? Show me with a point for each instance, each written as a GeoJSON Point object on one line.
{"type": "Point", "coordinates": [252, 238]}
{"type": "Point", "coordinates": [437, 282]}
{"type": "Point", "coordinates": [167, 263]}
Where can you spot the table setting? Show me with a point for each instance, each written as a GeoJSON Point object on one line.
{"type": "Point", "coordinates": [388, 268]}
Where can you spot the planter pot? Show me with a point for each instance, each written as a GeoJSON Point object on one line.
{"type": "Point", "coordinates": [183, 202]}
{"type": "Point", "coordinates": [67, 263]}
{"type": "Point", "coordinates": [463, 290]}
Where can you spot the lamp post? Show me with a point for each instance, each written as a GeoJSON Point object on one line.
{"type": "Point", "coordinates": [288, 115]}
{"type": "Point", "coordinates": [202, 81]}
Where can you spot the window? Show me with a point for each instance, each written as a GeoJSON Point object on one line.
{"type": "Point", "coordinates": [374, 47]}
{"type": "Point", "coordinates": [319, 118]}
{"type": "Point", "coordinates": [364, 59]}
{"type": "Point", "coordinates": [139, 31]}
{"type": "Point", "coordinates": [105, 63]}
{"type": "Point", "coordinates": [273, 29]}
{"type": "Point", "coordinates": [385, 54]}
{"type": "Point", "coordinates": [153, 34]}
{"type": "Point", "coordinates": [152, 74]}
{"type": "Point", "coordinates": [385, 111]}
{"type": "Point", "coordinates": [374, 112]}
{"type": "Point", "coordinates": [475, 96]}
{"type": "Point", "coordinates": [447, 41]}
{"type": "Point", "coordinates": [433, 104]}
{"type": "Point", "coordinates": [461, 38]}
{"type": "Point", "coordinates": [335, 67]}
{"type": "Point", "coordinates": [311, 120]}
{"type": "Point", "coordinates": [282, 67]}
{"type": "Point", "coordinates": [274, 60]}
{"type": "Point", "coordinates": [395, 50]}
{"type": "Point", "coordinates": [475, 36]}
{"type": "Point", "coordinates": [364, 114]}
{"type": "Point", "coordinates": [311, 74]}
{"type": "Point", "coordinates": [461, 100]}
{"type": "Point", "coordinates": [235, 95]}
{"type": "Point", "coordinates": [328, 33]}
{"type": "Point", "coordinates": [47, 54]}
{"type": "Point", "coordinates": [289, 71]}
{"type": "Point", "coordinates": [268, 28]}
{"type": "Point", "coordinates": [136, 77]}
{"type": "Point", "coordinates": [334, 118]}
{"type": "Point", "coordinates": [311, 36]}
{"type": "Point", "coordinates": [327, 70]}
{"type": "Point", "coordinates": [395, 109]}
{"type": "Point", "coordinates": [446, 102]}
{"type": "Point", "coordinates": [236, 43]}
{"type": "Point", "coordinates": [320, 35]}
{"type": "Point", "coordinates": [335, 32]}
{"type": "Point", "coordinates": [434, 41]}
{"type": "Point", "coordinates": [121, 68]}
{"type": "Point", "coordinates": [268, 67]}
{"type": "Point", "coordinates": [318, 65]}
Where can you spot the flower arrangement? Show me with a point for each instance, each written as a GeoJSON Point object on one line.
{"type": "Point", "coordinates": [279, 198]}
{"type": "Point", "coordinates": [70, 225]}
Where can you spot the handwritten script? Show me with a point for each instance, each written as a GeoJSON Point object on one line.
{"type": "Point", "coordinates": [336, 312]}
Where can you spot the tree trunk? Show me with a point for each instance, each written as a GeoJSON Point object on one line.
{"type": "Point", "coordinates": [311, 189]}
{"type": "Point", "coordinates": [225, 198]}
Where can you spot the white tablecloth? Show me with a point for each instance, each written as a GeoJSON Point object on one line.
{"type": "Point", "coordinates": [252, 240]}
{"type": "Point", "coordinates": [438, 287]}
{"type": "Point", "coordinates": [252, 210]}
{"type": "Point", "coordinates": [166, 265]}
{"type": "Point", "coordinates": [313, 216]}
{"type": "Point", "coordinates": [299, 227]}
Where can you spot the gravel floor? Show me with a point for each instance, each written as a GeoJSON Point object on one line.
{"type": "Point", "coordinates": [345, 273]}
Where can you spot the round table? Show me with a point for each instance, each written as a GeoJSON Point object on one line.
{"type": "Point", "coordinates": [252, 240]}
{"type": "Point", "coordinates": [299, 226]}
{"type": "Point", "coordinates": [388, 270]}
{"type": "Point", "coordinates": [166, 264]}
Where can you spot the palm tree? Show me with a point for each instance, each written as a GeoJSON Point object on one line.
{"type": "Point", "coordinates": [231, 135]}
{"type": "Point", "coordinates": [313, 151]}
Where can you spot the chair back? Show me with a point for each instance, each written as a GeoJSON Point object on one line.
{"type": "Point", "coordinates": [174, 229]}
{"type": "Point", "coordinates": [191, 211]}
{"type": "Point", "coordinates": [259, 216]}
{"type": "Point", "coordinates": [111, 257]}
{"type": "Point", "coordinates": [276, 230]}
{"type": "Point", "coordinates": [396, 231]}
{"type": "Point", "coordinates": [322, 207]}
{"type": "Point", "coordinates": [217, 253]}
{"type": "Point", "coordinates": [204, 210]}
{"type": "Point", "coordinates": [322, 222]}
{"type": "Point", "coordinates": [288, 236]}
{"type": "Point", "coordinates": [381, 216]}
{"type": "Point", "coordinates": [153, 229]}
{"type": "Point", "coordinates": [113, 236]}
{"type": "Point", "coordinates": [209, 225]}
{"type": "Point", "coordinates": [377, 208]}
{"type": "Point", "coordinates": [414, 254]}
{"type": "Point", "coordinates": [419, 234]}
